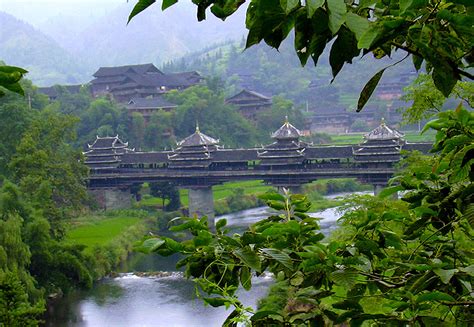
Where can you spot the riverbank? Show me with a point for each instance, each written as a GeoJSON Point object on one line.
{"type": "Point", "coordinates": [152, 282]}
{"type": "Point", "coordinates": [107, 238]}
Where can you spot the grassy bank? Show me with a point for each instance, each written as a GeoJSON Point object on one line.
{"type": "Point", "coordinates": [107, 238]}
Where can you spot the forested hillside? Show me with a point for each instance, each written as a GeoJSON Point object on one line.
{"type": "Point", "coordinates": [23, 45]}
{"type": "Point", "coordinates": [273, 72]}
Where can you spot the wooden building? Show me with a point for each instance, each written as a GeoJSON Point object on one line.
{"type": "Point", "coordinates": [147, 106]}
{"type": "Point", "coordinates": [249, 103]}
{"type": "Point", "coordinates": [138, 81]}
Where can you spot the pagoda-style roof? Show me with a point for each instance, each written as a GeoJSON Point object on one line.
{"type": "Point", "coordinates": [198, 139]}
{"type": "Point", "coordinates": [383, 144]}
{"type": "Point", "coordinates": [286, 131]}
{"type": "Point", "coordinates": [107, 142]}
{"type": "Point", "coordinates": [106, 152]}
{"type": "Point", "coordinates": [383, 132]}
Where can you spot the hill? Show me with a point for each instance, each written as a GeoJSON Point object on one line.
{"type": "Point", "coordinates": [155, 36]}
{"type": "Point", "coordinates": [47, 62]}
{"type": "Point", "coordinates": [273, 72]}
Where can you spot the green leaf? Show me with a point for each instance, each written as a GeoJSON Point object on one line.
{"type": "Point", "coordinates": [357, 291]}
{"type": "Point", "coordinates": [272, 196]}
{"type": "Point", "coordinates": [139, 7]}
{"type": "Point", "coordinates": [297, 279]}
{"type": "Point", "coordinates": [203, 238]}
{"type": "Point", "coordinates": [221, 223]}
{"type": "Point", "coordinates": [345, 277]}
{"type": "Point", "coordinates": [167, 3]}
{"type": "Point", "coordinates": [392, 240]}
{"type": "Point", "coordinates": [289, 5]}
{"type": "Point", "coordinates": [150, 245]}
{"type": "Point", "coordinates": [434, 296]}
{"type": "Point", "coordinates": [444, 80]}
{"type": "Point", "coordinates": [337, 14]}
{"type": "Point", "coordinates": [343, 50]}
{"type": "Point", "coordinates": [468, 270]}
{"type": "Point", "coordinates": [411, 4]}
{"type": "Point", "coordinates": [229, 321]}
{"type": "Point", "coordinates": [367, 39]}
{"type": "Point", "coordinates": [249, 257]}
{"type": "Point", "coordinates": [279, 256]}
{"type": "Point", "coordinates": [277, 205]}
{"type": "Point", "coordinates": [259, 315]}
{"type": "Point", "coordinates": [390, 190]}
{"type": "Point", "coordinates": [357, 24]}
{"type": "Point", "coordinates": [245, 278]}
{"type": "Point", "coordinates": [348, 305]}
{"type": "Point", "coordinates": [15, 87]}
{"type": "Point", "coordinates": [216, 301]}
{"type": "Point", "coordinates": [312, 5]}
{"type": "Point", "coordinates": [369, 89]}
{"type": "Point", "coordinates": [12, 69]}
{"type": "Point", "coordinates": [445, 274]}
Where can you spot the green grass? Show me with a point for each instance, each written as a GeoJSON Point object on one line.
{"type": "Point", "coordinates": [99, 230]}
{"type": "Point", "coordinates": [221, 191]}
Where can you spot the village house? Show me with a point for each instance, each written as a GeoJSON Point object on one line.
{"type": "Point", "coordinates": [124, 83]}
{"type": "Point", "coordinates": [249, 103]}
{"type": "Point", "coordinates": [147, 106]}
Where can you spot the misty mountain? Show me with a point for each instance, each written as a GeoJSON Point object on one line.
{"type": "Point", "coordinates": [68, 48]}
{"type": "Point", "coordinates": [47, 62]}
{"type": "Point", "coordinates": [153, 36]}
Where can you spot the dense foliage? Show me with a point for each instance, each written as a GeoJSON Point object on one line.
{"type": "Point", "coordinates": [412, 258]}
{"type": "Point", "coordinates": [438, 33]}
{"type": "Point", "coordinates": [42, 185]}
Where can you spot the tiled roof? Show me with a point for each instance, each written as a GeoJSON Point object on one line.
{"type": "Point", "coordinates": [286, 131]}
{"type": "Point", "coordinates": [156, 102]}
{"type": "Point", "coordinates": [108, 142]}
{"type": "Point", "coordinates": [248, 92]}
{"type": "Point", "coordinates": [119, 70]}
{"type": "Point", "coordinates": [197, 138]}
{"type": "Point", "coordinates": [383, 132]}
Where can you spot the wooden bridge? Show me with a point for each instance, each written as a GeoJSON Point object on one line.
{"type": "Point", "coordinates": [199, 162]}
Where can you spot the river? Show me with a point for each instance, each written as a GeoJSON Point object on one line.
{"type": "Point", "coordinates": [133, 301]}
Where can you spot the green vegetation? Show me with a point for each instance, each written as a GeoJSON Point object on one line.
{"type": "Point", "coordinates": [443, 39]}
{"type": "Point", "coordinates": [99, 230]}
{"type": "Point", "coordinates": [395, 263]}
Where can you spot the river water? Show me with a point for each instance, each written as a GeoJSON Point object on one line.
{"type": "Point", "coordinates": [136, 301]}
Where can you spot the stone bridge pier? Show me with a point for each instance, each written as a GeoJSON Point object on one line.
{"type": "Point", "coordinates": [201, 203]}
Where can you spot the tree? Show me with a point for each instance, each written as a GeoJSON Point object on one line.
{"type": "Point", "coordinates": [137, 129]}
{"type": "Point", "coordinates": [166, 191]}
{"type": "Point", "coordinates": [15, 310]}
{"type": "Point", "coordinates": [199, 104]}
{"type": "Point", "coordinates": [48, 170]}
{"type": "Point", "coordinates": [426, 100]}
{"type": "Point", "coordinates": [436, 33]}
{"type": "Point", "coordinates": [413, 256]}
